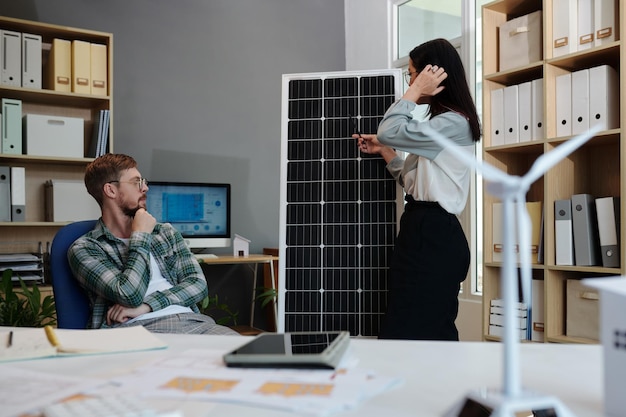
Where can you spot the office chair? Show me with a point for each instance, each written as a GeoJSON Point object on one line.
{"type": "Point", "coordinates": [72, 304]}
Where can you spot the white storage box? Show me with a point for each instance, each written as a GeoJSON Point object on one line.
{"type": "Point", "coordinates": [613, 337]}
{"type": "Point", "coordinates": [69, 201]}
{"type": "Point", "coordinates": [54, 136]}
{"type": "Point", "coordinates": [521, 41]}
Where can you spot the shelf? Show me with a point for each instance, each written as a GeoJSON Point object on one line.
{"type": "Point", "coordinates": [30, 159]}
{"type": "Point", "coordinates": [598, 167]}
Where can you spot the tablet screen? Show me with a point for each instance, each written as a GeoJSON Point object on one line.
{"type": "Point", "coordinates": [295, 344]}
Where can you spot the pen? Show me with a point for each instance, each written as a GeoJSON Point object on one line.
{"type": "Point", "coordinates": [52, 338]}
{"type": "Point", "coordinates": [10, 341]}
{"type": "Point", "coordinates": [355, 125]}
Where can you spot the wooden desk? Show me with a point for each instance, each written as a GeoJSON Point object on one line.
{"type": "Point", "coordinates": [253, 262]}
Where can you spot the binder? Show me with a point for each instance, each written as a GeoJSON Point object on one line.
{"type": "Point", "coordinates": [60, 66]}
{"type": "Point", "coordinates": [564, 105]}
{"type": "Point", "coordinates": [605, 21]}
{"type": "Point", "coordinates": [585, 24]}
{"type": "Point", "coordinates": [497, 117]}
{"type": "Point", "coordinates": [18, 194]}
{"type": "Point", "coordinates": [524, 108]}
{"type": "Point", "coordinates": [564, 31]}
{"type": "Point", "coordinates": [105, 133]}
{"type": "Point", "coordinates": [537, 109]}
{"type": "Point", "coordinates": [537, 311]}
{"type": "Point", "coordinates": [5, 193]}
{"type": "Point", "coordinates": [81, 67]}
{"type": "Point", "coordinates": [511, 114]}
{"type": "Point", "coordinates": [11, 126]}
{"type": "Point", "coordinates": [98, 70]}
{"type": "Point", "coordinates": [580, 101]}
{"type": "Point", "coordinates": [31, 60]}
{"type": "Point", "coordinates": [604, 97]}
{"type": "Point", "coordinates": [585, 228]}
{"type": "Point", "coordinates": [535, 212]}
{"type": "Point", "coordinates": [94, 146]}
{"type": "Point", "coordinates": [607, 209]}
{"type": "Point", "coordinates": [11, 58]}
{"type": "Point", "coordinates": [563, 230]}
{"type": "Point", "coordinates": [497, 252]}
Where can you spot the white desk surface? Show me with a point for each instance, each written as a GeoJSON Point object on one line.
{"type": "Point", "coordinates": [436, 374]}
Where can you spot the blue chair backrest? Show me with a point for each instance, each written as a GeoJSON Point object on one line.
{"type": "Point", "coordinates": [72, 304]}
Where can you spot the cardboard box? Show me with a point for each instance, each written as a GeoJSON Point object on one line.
{"type": "Point", "coordinates": [54, 136]}
{"type": "Point", "coordinates": [613, 337]}
{"type": "Point", "coordinates": [69, 201]}
{"type": "Point", "coordinates": [521, 41]}
{"type": "Point", "coordinates": [582, 310]}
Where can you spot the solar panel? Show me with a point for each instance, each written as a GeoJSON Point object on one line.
{"type": "Point", "coordinates": [339, 207]}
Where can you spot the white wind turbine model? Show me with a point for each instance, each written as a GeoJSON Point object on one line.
{"type": "Point", "coordinates": [512, 189]}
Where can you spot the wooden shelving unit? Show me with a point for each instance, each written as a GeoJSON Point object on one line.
{"type": "Point", "coordinates": [45, 101]}
{"type": "Point", "coordinates": [597, 168]}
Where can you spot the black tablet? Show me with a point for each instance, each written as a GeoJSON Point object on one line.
{"type": "Point", "coordinates": [291, 350]}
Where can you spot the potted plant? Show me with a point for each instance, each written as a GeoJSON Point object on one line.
{"type": "Point", "coordinates": [24, 307]}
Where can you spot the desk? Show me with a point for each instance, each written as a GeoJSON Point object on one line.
{"type": "Point", "coordinates": [436, 374]}
{"type": "Point", "coordinates": [253, 262]}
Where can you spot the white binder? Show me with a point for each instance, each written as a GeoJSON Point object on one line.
{"type": "Point", "coordinates": [537, 311]}
{"type": "Point", "coordinates": [604, 97]}
{"type": "Point", "coordinates": [585, 227]}
{"type": "Point", "coordinates": [524, 106]}
{"type": "Point", "coordinates": [10, 58]}
{"type": "Point", "coordinates": [537, 109]}
{"type": "Point", "coordinates": [18, 194]}
{"type": "Point", "coordinates": [31, 60]}
{"type": "Point", "coordinates": [564, 31]}
{"type": "Point", "coordinates": [497, 117]}
{"type": "Point", "coordinates": [5, 193]}
{"type": "Point", "coordinates": [564, 105]}
{"type": "Point", "coordinates": [605, 21]}
{"type": "Point", "coordinates": [580, 101]}
{"type": "Point", "coordinates": [585, 24]}
{"type": "Point", "coordinates": [511, 115]}
{"type": "Point", "coordinates": [607, 210]}
{"type": "Point", "coordinates": [11, 134]}
{"type": "Point", "coordinates": [563, 230]}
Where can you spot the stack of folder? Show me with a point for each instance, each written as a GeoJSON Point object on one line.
{"type": "Point", "coordinates": [27, 266]}
{"type": "Point", "coordinates": [587, 231]}
{"type": "Point", "coordinates": [496, 319]}
{"type": "Point", "coordinates": [100, 136]}
{"type": "Point", "coordinates": [78, 66]}
{"type": "Point", "coordinates": [21, 58]}
{"type": "Point", "coordinates": [517, 113]}
{"type": "Point", "coordinates": [582, 24]}
{"type": "Point", "coordinates": [12, 194]}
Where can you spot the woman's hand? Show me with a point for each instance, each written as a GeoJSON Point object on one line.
{"type": "Point", "coordinates": [370, 144]}
{"type": "Point", "coordinates": [426, 84]}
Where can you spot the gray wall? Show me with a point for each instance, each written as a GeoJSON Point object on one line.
{"type": "Point", "coordinates": [197, 86]}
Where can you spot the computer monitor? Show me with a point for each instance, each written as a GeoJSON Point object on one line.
{"type": "Point", "coordinates": [199, 211]}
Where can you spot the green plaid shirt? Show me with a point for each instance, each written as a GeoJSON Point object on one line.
{"type": "Point", "coordinates": [113, 273]}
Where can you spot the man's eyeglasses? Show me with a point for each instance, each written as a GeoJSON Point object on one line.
{"type": "Point", "coordinates": [408, 75]}
{"type": "Point", "coordinates": [140, 183]}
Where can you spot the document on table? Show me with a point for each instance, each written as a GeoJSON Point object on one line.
{"type": "Point", "coordinates": [23, 391]}
{"type": "Point", "coordinates": [201, 375]}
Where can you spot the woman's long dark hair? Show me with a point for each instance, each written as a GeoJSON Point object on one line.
{"type": "Point", "coordinates": [456, 94]}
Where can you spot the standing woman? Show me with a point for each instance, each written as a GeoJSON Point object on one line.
{"type": "Point", "coordinates": [431, 255]}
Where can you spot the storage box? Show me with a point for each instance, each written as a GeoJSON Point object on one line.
{"type": "Point", "coordinates": [54, 136]}
{"type": "Point", "coordinates": [69, 201]}
{"type": "Point", "coordinates": [613, 336]}
{"type": "Point", "coordinates": [582, 311]}
{"type": "Point", "coordinates": [521, 41]}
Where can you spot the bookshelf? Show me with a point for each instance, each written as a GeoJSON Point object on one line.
{"type": "Point", "coordinates": [46, 101]}
{"type": "Point", "coordinates": [596, 168]}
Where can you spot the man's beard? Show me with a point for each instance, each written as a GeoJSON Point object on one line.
{"type": "Point", "coordinates": [130, 212]}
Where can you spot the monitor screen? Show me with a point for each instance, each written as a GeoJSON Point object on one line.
{"type": "Point", "coordinates": [199, 211]}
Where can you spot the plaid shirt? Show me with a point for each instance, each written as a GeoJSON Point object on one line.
{"type": "Point", "coordinates": [113, 273]}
